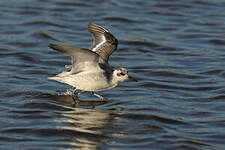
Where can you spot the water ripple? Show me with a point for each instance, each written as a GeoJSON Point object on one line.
{"type": "Point", "coordinates": [174, 48]}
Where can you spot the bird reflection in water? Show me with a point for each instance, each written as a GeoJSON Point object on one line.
{"type": "Point", "coordinates": [86, 127]}
{"type": "Point", "coordinates": [72, 100]}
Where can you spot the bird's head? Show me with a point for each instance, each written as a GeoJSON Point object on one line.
{"type": "Point", "coordinates": [121, 75]}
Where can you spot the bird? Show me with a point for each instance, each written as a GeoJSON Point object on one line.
{"type": "Point", "coordinates": [90, 70]}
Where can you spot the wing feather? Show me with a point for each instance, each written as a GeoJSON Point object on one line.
{"type": "Point", "coordinates": [104, 43]}
{"type": "Point", "coordinates": [82, 59]}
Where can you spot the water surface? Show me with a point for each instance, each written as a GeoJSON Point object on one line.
{"type": "Point", "coordinates": [174, 48]}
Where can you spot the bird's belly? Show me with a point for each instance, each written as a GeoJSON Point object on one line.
{"type": "Point", "coordinates": [88, 82]}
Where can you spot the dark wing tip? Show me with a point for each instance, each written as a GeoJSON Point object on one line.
{"type": "Point", "coordinates": [60, 48]}
{"type": "Point", "coordinates": [53, 46]}
{"type": "Point", "coordinates": [90, 23]}
{"type": "Point", "coordinates": [95, 28]}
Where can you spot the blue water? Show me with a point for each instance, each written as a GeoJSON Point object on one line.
{"type": "Point", "coordinates": [174, 48]}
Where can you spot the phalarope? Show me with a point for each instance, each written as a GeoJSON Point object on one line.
{"type": "Point", "coordinates": [90, 70]}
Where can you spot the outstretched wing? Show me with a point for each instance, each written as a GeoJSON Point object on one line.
{"type": "Point", "coordinates": [82, 59]}
{"type": "Point", "coordinates": [104, 42]}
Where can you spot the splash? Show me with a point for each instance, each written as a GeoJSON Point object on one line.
{"type": "Point", "coordinates": [70, 91]}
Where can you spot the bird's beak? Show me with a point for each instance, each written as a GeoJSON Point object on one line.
{"type": "Point", "coordinates": [132, 79]}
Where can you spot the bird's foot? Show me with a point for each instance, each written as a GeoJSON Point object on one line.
{"type": "Point", "coordinates": [99, 96]}
{"type": "Point", "coordinates": [68, 66]}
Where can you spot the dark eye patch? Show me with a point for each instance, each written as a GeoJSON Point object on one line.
{"type": "Point", "coordinates": [121, 74]}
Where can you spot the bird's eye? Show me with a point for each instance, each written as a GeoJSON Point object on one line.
{"type": "Point", "coordinates": [123, 74]}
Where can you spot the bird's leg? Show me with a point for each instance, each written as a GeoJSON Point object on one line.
{"type": "Point", "coordinates": [75, 97]}
{"type": "Point", "coordinates": [75, 100]}
{"type": "Point", "coordinates": [75, 92]}
{"type": "Point", "coordinates": [99, 96]}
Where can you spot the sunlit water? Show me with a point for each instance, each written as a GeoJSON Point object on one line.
{"type": "Point", "coordinates": [174, 48]}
